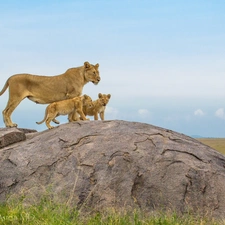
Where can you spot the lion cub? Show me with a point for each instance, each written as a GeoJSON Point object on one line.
{"type": "Point", "coordinates": [65, 107]}
{"type": "Point", "coordinates": [98, 107]}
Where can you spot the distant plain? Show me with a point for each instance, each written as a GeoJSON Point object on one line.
{"type": "Point", "coordinates": [215, 143]}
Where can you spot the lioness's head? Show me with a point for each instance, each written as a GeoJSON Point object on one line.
{"type": "Point", "coordinates": [91, 73]}
{"type": "Point", "coordinates": [104, 99]}
{"type": "Point", "coordinates": [87, 101]}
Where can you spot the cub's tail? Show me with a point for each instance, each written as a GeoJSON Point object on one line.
{"type": "Point", "coordinates": [40, 121]}
{"type": "Point", "coordinates": [44, 118]}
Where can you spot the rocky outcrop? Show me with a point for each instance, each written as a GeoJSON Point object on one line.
{"type": "Point", "coordinates": [13, 135]}
{"type": "Point", "coordinates": [98, 164]}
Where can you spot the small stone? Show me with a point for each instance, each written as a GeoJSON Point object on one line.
{"type": "Point", "coordinates": [10, 136]}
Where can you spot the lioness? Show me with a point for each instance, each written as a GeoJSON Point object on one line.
{"type": "Point", "coordinates": [47, 89]}
{"type": "Point", "coordinates": [65, 107]}
{"type": "Point", "coordinates": [98, 107]}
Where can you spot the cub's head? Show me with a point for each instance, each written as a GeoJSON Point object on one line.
{"type": "Point", "coordinates": [91, 73]}
{"type": "Point", "coordinates": [87, 101]}
{"type": "Point", "coordinates": [103, 99]}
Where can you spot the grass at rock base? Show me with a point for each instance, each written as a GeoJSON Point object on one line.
{"type": "Point", "coordinates": [49, 213]}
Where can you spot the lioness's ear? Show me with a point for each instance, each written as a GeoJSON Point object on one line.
{"type": "Point", "coordinates": [99, 95]}
{"type": "Point", "coordinates": [97, 65]}
{"type": "Point", "coordinates": [86, 65]}
{"type": "Point", "coordinates": [109, 96]}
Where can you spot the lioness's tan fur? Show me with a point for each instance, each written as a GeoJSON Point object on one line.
{"type": "Point", "coordinates": [98, 107]}
{"type": "Point", "coordinates": [65, 107]}
{"type": "Point", "coordinates": [47, 89]}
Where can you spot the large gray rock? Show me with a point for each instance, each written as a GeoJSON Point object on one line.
{"type": "Point", "coordinates": [100, 164]}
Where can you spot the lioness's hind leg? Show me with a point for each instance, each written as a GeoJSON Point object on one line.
{"type": "Point", "coordinates": [7, 112]}
{"type": "Point", "coordinates": [16, 95]}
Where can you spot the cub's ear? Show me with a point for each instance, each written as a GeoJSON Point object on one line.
{"type": "Point", "coordinates": [85, 96]}
{"type": "Point", "coordinates": [99, 95]}
{"type": "Point", "coordinates": [109, 96]}
{"type": "Point", "coordinates": [96, 66]}
{"type": "Point", "coordinates": [87, 65]}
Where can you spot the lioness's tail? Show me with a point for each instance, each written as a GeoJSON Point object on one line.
{"type": "Point", "coordinates": [5, 87]}
{"type": "Point", "coordinates": [44, 118]}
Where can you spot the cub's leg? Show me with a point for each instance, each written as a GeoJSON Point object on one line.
{"type": "Point", "coordinates": [56, 121]}
{"type": "Point", "coordinates": [73, 116]}
{"type": "Point", "coordinates": [102, 115]}
{"type": "Point", "coordinates": [96, 115]}
{"type": "Point", "coordinates": [80, 111]}
{"type": "Point", "coordinates": [51, 115]}
{"type": "Point", "coordinates": [47, 122]}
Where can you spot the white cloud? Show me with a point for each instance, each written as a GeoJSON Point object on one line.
{"type": "Point", "coordinates": [220, 113]}
{"type": "Point", "coordinates": [112, 112]}
{"type": "Point", "coordinates": [143, 112]}
{"type": "Point", "coordinates": [199, 112]}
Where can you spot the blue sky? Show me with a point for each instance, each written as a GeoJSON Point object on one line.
{"type": "Point", "coordinates": [162, 61]}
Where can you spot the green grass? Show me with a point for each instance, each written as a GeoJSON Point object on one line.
{"type": "Point", "coordinates": [215, 143]}
{"type": "Point", "coordinates": [49, 213]}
